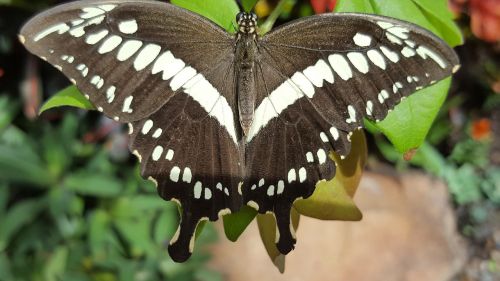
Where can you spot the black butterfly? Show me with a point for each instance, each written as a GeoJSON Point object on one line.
{"type": "Point", "coordinates": [220, 120]}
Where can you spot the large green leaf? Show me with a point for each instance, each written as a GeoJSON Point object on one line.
{"type": "Point", "coordinates": [222, 12]}
{"type": "Point", "coordinates": [70, 96]}
{"type": "Point", "coordinates": [408, 124]}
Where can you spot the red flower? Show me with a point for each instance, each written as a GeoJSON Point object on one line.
{"type": "Point", "coordinates": [322, 6]}
{"type": "Point", "coordinates": [485, 19]}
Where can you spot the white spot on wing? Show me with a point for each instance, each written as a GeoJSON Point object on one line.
{"type": "Point", "coordinates": [110, 94]}
{"type": "Point", "coordinates": [377, 58]}
{"type": "Point", "coordinates": [340, 66]}
{"type": "Point", "coordinates": [408, 52]}
{"type": "Point", "coordinates": [110, 44]}
{"type": "Point", "coordinates": [187, 175]}
{"type": "Point", "coordinates": [302, 174]}
{"type": "Point", "coordinates": [323, 137]}
{"type": "Point", "coordinates": [321, 156]}
{"type": "Point", "coordinates": [127, 103]}
{"type": "Point", "coordinates": [128, 26]}
{"type": "Point", "coordinates": [197, 190]}
{"type": "Point", "coordinates": [385, 25]}
{"type": "Point", "coordinates": [309, 157]}
{"type": "Point", "coordinates": [59, 28]}
{"type": "Point", "coordinates": [128, 49]}
{"type": "Point", "coordinates": [270, 190]}
{"type": "Point", "coordinates": [94, 38]}
{"type": "Point", "coordinates": [369, 108]}
{"type": "Point", "coordinates": [425, 52]}
{"type": "Point", "coordinates": [208, 194]}
{"type": "Point", "coordinates": [167, 63]}
{"type": "Point", "coordinates": [157, 133]}
{"type": "Point", "coordinates": [399, 31]}
{"type": "Point", "coordinates": [91, 12]}
{"type": "Point", "coordinates": [170, 155]}
{"type": "Point", "coordinates": [147, 127]}
{"type": "Point", "coordinates": [318, 73]}
{"type": "Point", "coordinates": [146, 56]}
{"type": "Point", "coordinates": [359, 61]}
{"type": "Point", "coordinates": [157, 152]}
{"type": "Point", "coordinates": [335, 133]}
{"type": "Point", "coordinates": [292, 176]}
{"type": "Point", "coordinates": [392, 56]}
{"type": "Point", "coordinates": [362, 40]}
{"type": "Point", "coordinates": [352, 114]}
{"type": "Point", "coordinates": [281, 187]}
{"type": "Point", "coordinates": [175, 173]}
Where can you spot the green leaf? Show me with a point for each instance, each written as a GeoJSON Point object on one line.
{"type": "Point", "coordinates": [235, 224]}
{"type": "Point", "coordinates": [137, 235]}
{"type": "Point", "coordinates": [56, 264]}
{"type": "Point", "coordinates": [166, 225]}
{"type": "Point", "coordinates": [440, 16]}
{"type": "Point", "coordinates": [463, 183]}
{"type": "Point", "coordinates": [358, 6]}
{"type": "Point", "coordinates": [332, 200]}
{"type": "Point", "coordinates": [99, 228]}
{"type": "Point", "coordinates": [267, 231]}
{"type": "Point", "coordinates": [20, 215]}
{"type": "Point", "coordinates": [5, 267]}
{"type": "Point", "coordinates": [248, 4]}
{"type": "Point", "coordinates": [491, 185]}
{"type": "Point", "coordinates": [408, 124]}
{"type": "Point", "coordinates": [221, 12]}
{"type": "Point", "coordinates": [21, 164]}
{"type": "Point", "coordinates": [93, 184]}
{"type": "Point", "coordinates": [70, 96]}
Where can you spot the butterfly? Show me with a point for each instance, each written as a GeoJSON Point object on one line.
{"type": "Point", "coordinates": [222, 120]}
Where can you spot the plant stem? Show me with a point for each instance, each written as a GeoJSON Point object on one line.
{"type": "Point", "coordinates": [271, 20]}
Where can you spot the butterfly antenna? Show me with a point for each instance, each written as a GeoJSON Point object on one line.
{"type": "Point", "coordinates": [240, 5]}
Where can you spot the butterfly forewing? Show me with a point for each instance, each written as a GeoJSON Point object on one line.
{"type": "Point", "coordinates": [127, 57]}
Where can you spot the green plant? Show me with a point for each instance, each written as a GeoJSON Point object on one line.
{"type": "Point", "coordinates": [69, 211]}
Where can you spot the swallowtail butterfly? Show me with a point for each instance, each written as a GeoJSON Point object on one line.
{"type": "Point", "coordinates": [220, 120]}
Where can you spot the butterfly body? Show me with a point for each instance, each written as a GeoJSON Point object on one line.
{"type": "Point", "coordinates": [220, 120]}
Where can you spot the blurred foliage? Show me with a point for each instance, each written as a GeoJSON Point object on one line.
{"type": "Point", "coordinates": [69, 211]}
{"type": "Point", "coordinates": [462, 146]}
{"type": "Point", "coordinates": [72, 203]}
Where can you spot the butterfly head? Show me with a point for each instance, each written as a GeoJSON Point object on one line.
{"type": "Point", "coordinates": [247, 22]}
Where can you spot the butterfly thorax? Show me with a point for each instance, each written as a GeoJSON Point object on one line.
{"type": "Point", "coordinates": [245, 53]}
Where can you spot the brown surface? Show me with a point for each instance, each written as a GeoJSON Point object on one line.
{"type": "Point", "coordinates": [407, 233]}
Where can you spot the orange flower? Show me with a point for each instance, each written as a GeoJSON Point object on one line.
{"type": "Point", "coordinates": [485, 19]}
{"type": "Point", "coordinates": [481, 129]}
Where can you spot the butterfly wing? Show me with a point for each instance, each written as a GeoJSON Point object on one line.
{"type": "Point", "coordinates": [169, 73]}
{"type": "Point", "coordinates": [124, 55]}
{"type": "Point", "coordinates": [318, 78]}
